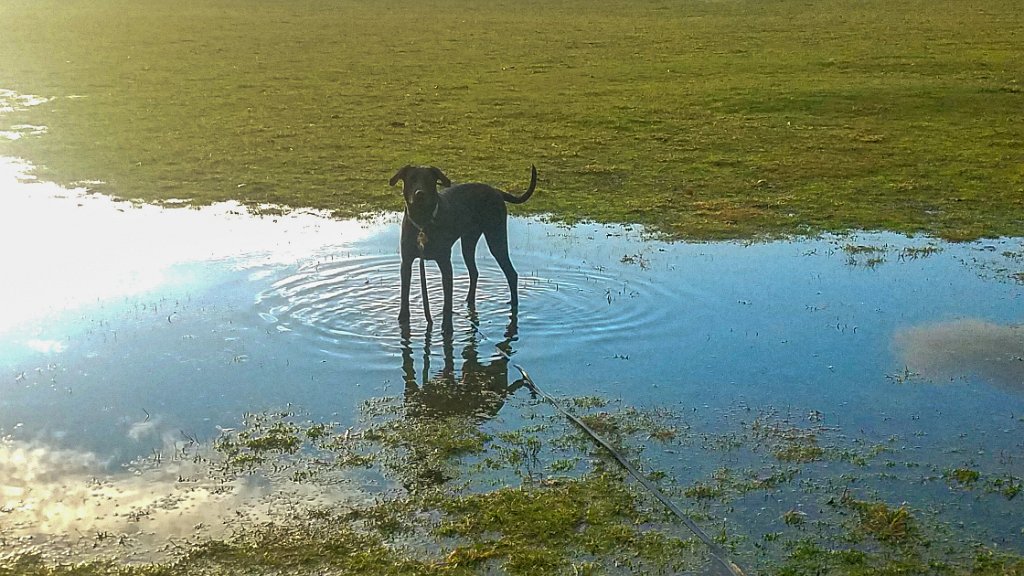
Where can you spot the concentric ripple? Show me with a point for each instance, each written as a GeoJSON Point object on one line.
{"type": "Point", "coordinates": [591, 304]}
{"type": "Point", "coordinates": [341, 300]}
{"type": "Point", "coordinates": [349, 304]}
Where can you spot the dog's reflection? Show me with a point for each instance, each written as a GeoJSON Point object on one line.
{"type": "Point", "coordinates": [445, 407]}
{"type": "Point", "coordinates": [476, 390]}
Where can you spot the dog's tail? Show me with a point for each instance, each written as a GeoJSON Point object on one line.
{"type": "Point", "coordinates": [529, 191]}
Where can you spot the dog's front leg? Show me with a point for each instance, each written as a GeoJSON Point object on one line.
{"type": "Point", "coordinates": [445, 266]}
{"type": "Point", "coordinates": [403, 313]}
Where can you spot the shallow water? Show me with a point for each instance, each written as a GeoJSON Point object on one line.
{"type": "Point", "coordinates": [128, 329]}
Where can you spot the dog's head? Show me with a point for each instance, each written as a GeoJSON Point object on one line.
{"type": "Point", "coordinates": [419, 185]}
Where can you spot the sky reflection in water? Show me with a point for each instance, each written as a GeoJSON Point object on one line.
{"type": "Point", "coordinates": [125, 329]}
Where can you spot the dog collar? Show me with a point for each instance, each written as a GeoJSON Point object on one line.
{"type": "Point", "coordinates": [433, 216]}
{"type": "Point", "coordinates": [421, 238]}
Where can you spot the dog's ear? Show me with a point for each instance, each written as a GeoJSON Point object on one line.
{"type": "Point", "coordinates": [441, 177]}
{"type": "Point", "coordinates": [400, 174]}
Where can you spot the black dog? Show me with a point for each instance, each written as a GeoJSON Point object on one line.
{"type": "Point", "coordinates": [435, 220]}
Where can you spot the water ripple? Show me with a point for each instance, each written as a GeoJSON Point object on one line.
{"type": "Point", "coordinates": [593, 304]}
{"type": "Point", "coordinates": [355, 300]}
{"type": "Point", "coordinates": [341, 300]}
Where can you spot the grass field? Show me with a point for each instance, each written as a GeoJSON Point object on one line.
{"type": "Point", "coordinates": [702, 118]}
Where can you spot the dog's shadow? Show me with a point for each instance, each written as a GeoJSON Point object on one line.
{"type": "Point", "coordinates": [476, 390]}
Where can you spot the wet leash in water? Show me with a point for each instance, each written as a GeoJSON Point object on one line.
{"type": "Point", "coordinates": [423, 290]}
{"type": "Point", "coordinates": [715, 549]}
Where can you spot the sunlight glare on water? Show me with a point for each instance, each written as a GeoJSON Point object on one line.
{"type": "Point", "coordinates": [64, 248]}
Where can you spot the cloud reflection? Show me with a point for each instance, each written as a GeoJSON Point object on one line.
{"type": "Point", "coordinates": [965, 348]}
{"type": "Point", "coordinates": [55, 500]}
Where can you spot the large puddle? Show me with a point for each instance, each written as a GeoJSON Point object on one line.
{"type": "Point", "coordinates": [132, 332]}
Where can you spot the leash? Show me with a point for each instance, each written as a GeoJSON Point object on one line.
{"type": "Point", "coordinates": [423, 290]}
{"type": "Point", "coordinates": [717, 552]}
{"type": "Point", "coordinates": [421, 241]}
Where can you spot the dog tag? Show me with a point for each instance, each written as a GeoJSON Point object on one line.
{"type": "Point", "coordinates": [421, 239]}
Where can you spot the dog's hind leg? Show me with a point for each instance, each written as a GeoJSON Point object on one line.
{"type": "Point", "coordinates": [469, 256]}
{"type": "Point", "coordinates": [497, 243]}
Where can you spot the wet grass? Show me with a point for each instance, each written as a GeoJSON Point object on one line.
{"type": "Point", "coordinates": [702, 119]}
{"type": "Point", "coordinates": [837, 512]}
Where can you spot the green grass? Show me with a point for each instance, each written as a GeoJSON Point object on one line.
{"type": "Point", "coordinates": [701, 118]}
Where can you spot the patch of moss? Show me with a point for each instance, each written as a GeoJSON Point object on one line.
{"type": "Point", "coordinates": [1008, 487]}
{"type": "Point", "coordinates": [808, 558]}
{"type": "Point", "coordinates": [424, 453]}
{"type": "Point", "coordinates": [963, 476]}
{"type": "Point", "coordinates": [881, 521]}
{"type": "Point", "coordinates": [284, 441]}
{"type": "Point", "coordinates": [703, 491]}
{"type": "Point", "coordinates": [787, 442]}
{"type": "Point", "coordinates": [322, 545]}
{"type": "Point", "coordinates": [544, 529]}
{"type": "Point", "coordinates": [799, 453]}
{"type": "Point", "coordinates": [794, 517]}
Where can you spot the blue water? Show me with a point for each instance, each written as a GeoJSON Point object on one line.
{"type": "Point", "coordinates": [604, 312]}
{"type": "Point", "coordinates": [110, 350]}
